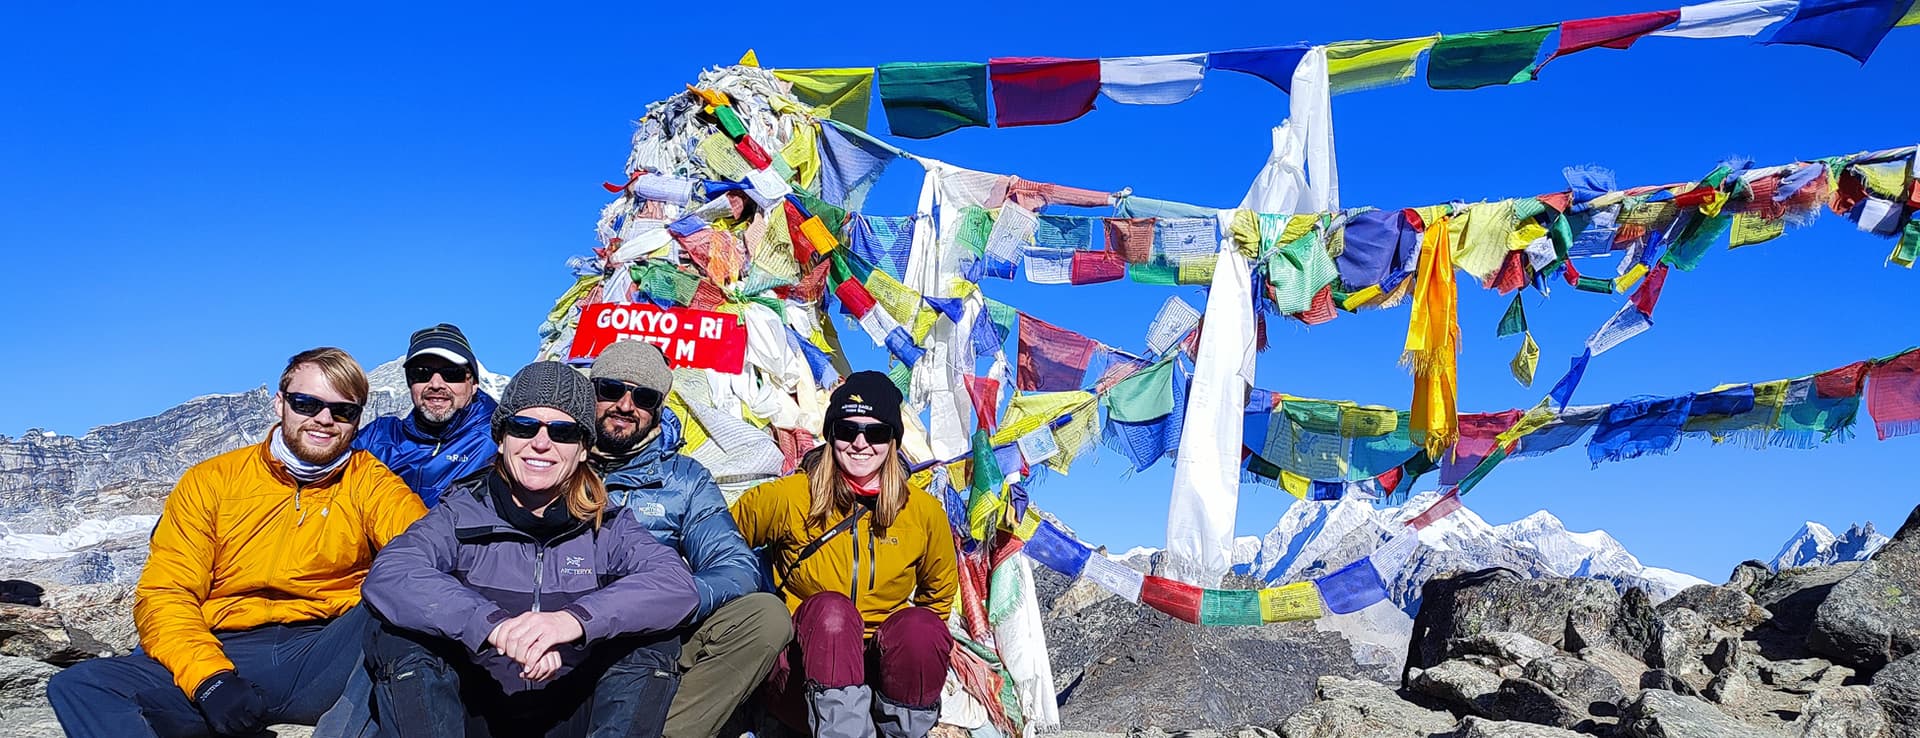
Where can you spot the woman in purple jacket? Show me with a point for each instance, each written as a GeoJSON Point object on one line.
{"type": "Point", "coordinates": [522, 605]}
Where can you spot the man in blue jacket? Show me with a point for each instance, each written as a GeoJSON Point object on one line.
{"type": "Point", "coordinates": [736, 631]}
{"type": "Point", "coordinates": [448, 435]}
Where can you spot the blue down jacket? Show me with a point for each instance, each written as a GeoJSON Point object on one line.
{"type": "Point", "coordinates": [428, 462]}
{"type": "Point", "coordinates": [676, 499]}
{"type": "Point", "coordinates": [462, 569]}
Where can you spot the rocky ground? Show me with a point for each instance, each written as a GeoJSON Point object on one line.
{"type": "Point", "coordinates": [1814, 652]}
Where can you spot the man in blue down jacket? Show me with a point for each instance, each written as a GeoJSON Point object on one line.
{"type": "Point", "coordinates": [448, 436]}
{"type": "Point", "coordinates": [730, 642]}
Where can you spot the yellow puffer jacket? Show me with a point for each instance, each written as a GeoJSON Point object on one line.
{"type": "Point", "coordinates": [910, 563]}
{"type": "Point", "coordinates": [240, 545]}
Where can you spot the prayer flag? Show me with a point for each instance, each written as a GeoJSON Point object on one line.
{"type": "Point", "coordinates": [1562, 392]}
{"type": "Point", "coordinates": [1056, 550]}
{"type": "Point", "coordinates": [1230, 607]}
{"type": "Point", "coordinates": [1376, 242]}
{"type": "Point", "coordinates": [1144, 443]}
{"type": "Point", "coordinates": [1144, 397]}
{"type": "Point", "coordinates": [1625, 324]}
{"type": "Point", "coordinates": [1440, 509]}
{"type": "Point", "coordinates": [1467, 61]}
{"type": "Point", "coordinates": [1893, 395]}
{"type": "Point", "coordinates": [1031, 91]}
{"type": "Point", "coordinates": [1131, 238]}
{"type": "Point", "coordinates": [1557, 431]}
{"type": "Point", "coordinates": [1649, 293]}
{"type": "Point", "coordinates": [1639, 426]}
{"type": "Point", "coordinates": [984, 503]}
{"type": "Point", "coordinates": [1479, 433]}
{"type": "Point", "coordinates": [1353, 588]}
{"type": "Point", "coordinates": [1275, 64]}
{"type": "Point", "coordinates": [1525, 361]}
{"type": "Point", "coordinates": [1052, 358]}
{"type": "Point", "coordinates": [1851, 27]}
{"type": "Point", "coordinates": [1353, 66]}
{"type": "Point", "coordinates": [1152, 80]}
{"type": "Point", "coordinates": [855, 298]}
{"type": "Point", "coordinates": [1049, 266]}
{"type": "Point", "coordinates": [927, 99]}
{"type": "Point", "coordinates": [1115, 577]}
{"type": "Point", "coordinates": [1094, 267]}
{"type": "Point", "coordinates": [1392, 555]}
{"type": "Point", "coordinates": [851, 162]}
{"type": "Point", "coordinates": [1179, 599]}
{"type": "Point", "coordinates": [844, 94]}
{"type": "Point", "coordinates": [1728, 18]}
{"type": "Point", "coordinates": [985, 393]}
{"type": "Point", "coordinates": [1064, 232]}
{"type": "Point", "coordinates": [1613, 32]}
{"type": "Point", "coordinates": [1433, 343]}
{"type": "Point", "coordinates": [1297, 601]}
{"type": "Point", "coordinates": [1515, 321]}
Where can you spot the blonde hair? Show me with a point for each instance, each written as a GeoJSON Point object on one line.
{"type": "Point", "coordinates": [342, 373]}
{"type": "Point", "coordinates": [586, 495]}
{"type": "Point", "coordinates": [831, 498]}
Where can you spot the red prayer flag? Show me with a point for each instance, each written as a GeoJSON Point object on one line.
{"type": "Point", "coordinates": [1052, 359]}
{"type": "Point", "coordinates": [1613, 32]}
{"type": "Point", "coordinates": [751, 151]}
{"type": "Point", "coordinates": [986, 401]}
{"type": "Point", "coordinates": [1559, 201]}
{"type": "Point", "coordinates": [1893, 395]}
{"type": "Point", "coordinates": [706, 296]}
{"type": "Point", "coordinates": [1846, 381]}
{"type": "Point", "coordinates": [802, 246]}
{"type": "Point", "coordinates": [814, 286]}
{"type": "Point", "coordinates": [1094, 267]}
{"type": "Point", "coordinates": [1131, 238]}
{"type": "Point", "coordinates": [1389, 479]}
{"type": "Point", "coordinates": [855, 297]}
{"type": "Point", "coordinates": [1179, 599]}
{"type": "Point", "coordinates": [1512, 275]}
{"type": "Point", "coordinates": [1649, 293]}
{"type": "Point", "coordinates": [1851, 190]}
{"type": "Point", "coordinates": [1913, 195]}
{"type": "Point", "coordinates": [1439, 509]}
{"type": "Point", "coordinates": [1694, 198]}
{"type": "Point", "coordinates": [1037, 90]}
{"type": "Point", "coordinates": [1479, 433]}
{"type": "Point", "coordinates": [1321, 310]}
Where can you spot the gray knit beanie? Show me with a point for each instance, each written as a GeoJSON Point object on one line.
{"type": "Point", "coordinates": [637, 363]}
{"type": "Point", "coordinates": [547, 384]}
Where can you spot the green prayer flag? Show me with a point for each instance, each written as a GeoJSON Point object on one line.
{"type": "Point", "coordinates": [729, 122]}
{"type": "Point", "coordinates": [927, 99]}
{"type": "Point", "coordinates": [1003, 592]}
{"type": "Point", "coordinates": [1482, 469]}
{"type": "Point", "coordinates": [1145, 396]}
{"type": "Point", "coordinates": [1002, 316]}
{"type": "Point", "coordinates": [1905, 252]}
{"type": "Point", "coordinates": [1692, 245]}
{"type": "Point", "coordinates": [984, 503]}
{"type": "Point", "coordinates": [902, 376]}
{"type": "Point", "coordinates": [1230, 607]}
{"type": "Point", "coordinates": [976, 224]}
{"type": "Point", "coordinates": [1154, 273]}
{"type": "Point", "coordinates": [1594, 284]}
{"type": "Point", "coordinates": [1466, 61]}
{"type": "Point", "coordinates": [1515, 321]}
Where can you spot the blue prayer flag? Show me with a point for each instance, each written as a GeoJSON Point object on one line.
{"type": "Point", "coordinates": [1353, 588]}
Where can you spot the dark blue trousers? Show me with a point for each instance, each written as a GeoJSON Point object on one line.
{"type": "Point", "coordinates": [302, 668]}
{"type": "Point", "coordinates": [428, 687]}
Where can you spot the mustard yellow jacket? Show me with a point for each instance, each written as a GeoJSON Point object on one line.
{"type": "Point", "coordinates": [240, 544]}
{"type": "Point", "coordinates": [909, 564]}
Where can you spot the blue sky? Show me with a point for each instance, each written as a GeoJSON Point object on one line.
{"type": "Point", "coordinates": [191, 195]}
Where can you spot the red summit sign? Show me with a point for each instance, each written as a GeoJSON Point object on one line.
{"type": "Point", "coordinates": [690, 338]}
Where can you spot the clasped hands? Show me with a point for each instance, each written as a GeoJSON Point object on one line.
{"type": "Point", "coordinates": [529, 639]}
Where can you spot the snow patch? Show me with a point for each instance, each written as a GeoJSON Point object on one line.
{"type": "Point", "coordinates": [43, 546]}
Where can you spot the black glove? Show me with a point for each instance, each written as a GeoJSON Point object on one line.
{"type": "Point", "coordinates": [233, 705]}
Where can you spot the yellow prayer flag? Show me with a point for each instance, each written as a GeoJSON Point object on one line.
{"type": "Point", "coordinates": [817, 233]}
{"type": "Point", "coordinates": [1196, 270]}
{"type": "Point", "coordinates": [749, 59]}
{"type": "Point", "coordinates": [1713, 204]}
{"type": "Point", "coordinates": [1363, 297]}
{"type": "Point", "coordinates": [1536, 418]}
{"type": "Point", "coordinates": [802, 154]}
{"type": "Point", "coordinates": [1751, 228]}
{"type": "Point", "coordinates": [1626, 281]}
{"type": "Point", "coordinates": [923, 322]}
{"type": "Point", "coordinates": [1524, 235]}
{"type": "Point", "coordinates": [1295, 484]}
{"type": "Point", "coordinates": [899, 300]}
{"type": "Point", "coordinates": [1364, 421]}
{"type": "Point", "coordinates": [1526, 361]}
{"type": "Point", "coordinates": [1075, 435]}
{"type": "Point", "coordinates": [983, 518]}
{"type": "Point", "coordinates": [845, 95]}
{"type": "Point", "coordinates": [1028, 525]}
{"type": "Point", "coordinates": [1297, 601]}
{"type": "Point", "coordinates": [1027, 412]}
{"type": "Point", "coordinates": [691, 431]}
{"type": "Point", "coordinates": [1478, 236]}
{"type": "Point", "coordinates": [1245, 230]}
{"type": "Point", "coordinates": [1912, 18]}
{"type": "Point", "coordinates": [1297, 227]}
{"type": "Point", "coordinates": [1363, 65]}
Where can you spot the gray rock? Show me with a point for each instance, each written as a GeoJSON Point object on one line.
{"type": "Point", "coordinates": [1897, 687]}
{"type": "Point", "coordinates": [1590, 688]}
{"type": "Point", "coordinates": [1514, 648]}
{"type": "Point", "coordinates": [1684, 638]}
{"type": "Point", "coordinates": [1747, 576]}
{"type": "Point", "coordinates": [1802, 676]}
{"type": "Point", "coordinates": [1722, 607]}
{"type": "Point", "coordinates": [1117, 651]}
{"type": "Point", "coordinates": [1350, 707]}
{"type": "Point", "coordinates": [1665, 681]}
{"type": "Point", "coordinates": [1793, 596]}
{"type": "Point", "coordinates": [1529, 701]}
{"type": "Point", "coordinates": [1662, 714]}
{"type": "Point", "coordinates": [30, 721]}
{"type": "Point", "coordinates": [40, 634]}
{"type": "Point", "coordinates": [1728, 653]}
{"type": "Point", "coordinates": [1730, 688]}
{"type": "Point", "coordinates": [1474, 727]}
{"type": "Point", "coordinates": [23, 681]}
{"type": "Point", "coordinates": [1552, 611]}
{"type": "Point", "coordinates": [1841, 712]}
{"type": "Point", "coordinates": [1463, 686]}
{"type": "Point", "coordinates": [1635, 628]}
{"type": "Point", "coordinates": [1873, 616]}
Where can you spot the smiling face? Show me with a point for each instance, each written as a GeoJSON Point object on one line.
{"type": "Point", "coordinates": [859, 458]}
{"type": "Point", "coordinates": [538, 464]}
{"type": "Point", "coordinates": [622, 423]}
{"type": "Point", "coordinates": [319, 438]}
{"type": "Point", "coordinates": [437, 399]}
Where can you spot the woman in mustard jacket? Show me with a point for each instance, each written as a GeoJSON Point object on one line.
{"type": "Point", "coordinates": [867, 565]}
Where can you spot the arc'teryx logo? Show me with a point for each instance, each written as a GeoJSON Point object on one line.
{"type": "Point", "coordinates": [576, 565]}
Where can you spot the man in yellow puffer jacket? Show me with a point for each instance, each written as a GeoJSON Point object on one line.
{"type": "Point", "coordinates": [247, 609]}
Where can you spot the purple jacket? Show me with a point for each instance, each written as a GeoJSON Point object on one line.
{"type": "Point", "coordinates": [462, 569]}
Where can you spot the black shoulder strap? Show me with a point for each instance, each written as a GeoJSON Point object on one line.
{"type": "Point", "coordinates": [814, 547]}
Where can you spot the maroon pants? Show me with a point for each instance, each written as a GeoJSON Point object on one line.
{"type": "Point", "coordinates": [906, 660]}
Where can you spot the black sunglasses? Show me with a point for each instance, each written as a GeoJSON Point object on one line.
{"type": "Point", "coordinates": [424, 374]}
{"type": "Point", "coordinates": [308, 405]}
{"type": "Point", "coordinates": [611, 390]}
{"type": "Point", "coordinates": [559, 431]}
{"type": "Point", "coordinates": [877, 433]}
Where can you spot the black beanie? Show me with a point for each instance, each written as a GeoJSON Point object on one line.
{"type": "Point", "coordinates": [866, 393]}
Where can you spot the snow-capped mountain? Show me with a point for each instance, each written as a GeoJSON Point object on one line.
{"type": "Point", "coordinates": [1816, 545]}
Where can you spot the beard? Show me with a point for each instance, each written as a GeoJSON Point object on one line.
{"type": "Point", "coordinates": [613, 442]}
{"type": "Point", "coordinates": [437, 418]}
{"type": "Point", "coordinates": [317, 455]}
